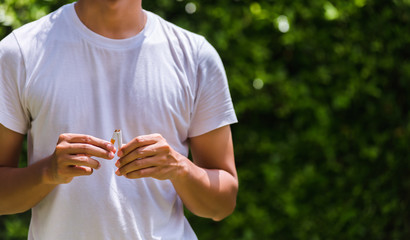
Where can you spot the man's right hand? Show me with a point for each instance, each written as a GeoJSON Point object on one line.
{"type": "Point", "coordinates": [73, 157]}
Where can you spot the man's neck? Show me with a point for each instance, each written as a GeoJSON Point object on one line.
{"type": "Point", "coordinates": [117, 19]}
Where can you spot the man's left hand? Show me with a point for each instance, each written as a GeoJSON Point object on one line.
{"type": "Point", "coordinates": [150, 156]}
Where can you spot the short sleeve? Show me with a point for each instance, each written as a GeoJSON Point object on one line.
{"type": "Point", "coordinates": [12, 75]}
{"type": "Point", "coordinates": [213, 107]}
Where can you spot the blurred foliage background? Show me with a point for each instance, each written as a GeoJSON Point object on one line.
{"type": "Point", "coordinates": [320, 89]}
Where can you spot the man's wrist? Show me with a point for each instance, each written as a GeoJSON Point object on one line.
{"type": "Point", "coordinates": [45, 172]}
{"type": "Point", "coordinates": [46, 176]}
{"type": "Point", "coordinates": [184, 170]}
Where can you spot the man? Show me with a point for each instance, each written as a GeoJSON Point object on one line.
{"type": "Point", "coordinates": [68, 80]}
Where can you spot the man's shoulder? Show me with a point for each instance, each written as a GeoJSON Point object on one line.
{"type": "Point", "coordinates": [35, 30]}
{"type": "Point", "coordinates": [173, 31]}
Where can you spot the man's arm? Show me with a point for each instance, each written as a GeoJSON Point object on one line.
{"type": "Point", "coordinates": [23, 188]}
{"type": "Point", "coordinates": [20, 188]}
{"type": "Point", "coordinates": [208, 186]}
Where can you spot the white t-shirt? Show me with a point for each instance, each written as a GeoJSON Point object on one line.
{"type": "Point", "coordinates": [57, 76]}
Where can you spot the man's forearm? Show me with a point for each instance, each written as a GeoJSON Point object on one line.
{"type": "Point", "coordinates": [209, 193]}
{"type": "Point", "coordinates": [22, 188]}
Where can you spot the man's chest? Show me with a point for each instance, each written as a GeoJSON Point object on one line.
{"type": "Point", "coordinates": [72, 87]}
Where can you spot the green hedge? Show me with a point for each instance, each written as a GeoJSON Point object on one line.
{"type": "Point", "coordinates": [321, 93]}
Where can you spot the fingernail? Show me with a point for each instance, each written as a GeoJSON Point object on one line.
{"type": "Point", "coordinates": [117, 164]}
{"type": "Point", "coordinates": [111, 155]}
{"type": "Point", "coordinates": [118, 173]}
{"type": "Point", "coordinates": [119, 154]}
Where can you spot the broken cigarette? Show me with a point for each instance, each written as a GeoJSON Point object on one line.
{"type": "Point", "coordinates": [117, 137]}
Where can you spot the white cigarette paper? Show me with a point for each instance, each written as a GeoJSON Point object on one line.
{"type": "Point", "coordinates": [119, 139]}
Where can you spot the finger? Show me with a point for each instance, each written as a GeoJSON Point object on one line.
{"type": "Point", "coordinates": [136, 165]}
{"type": "Point", "coordinates": [85, 161]}
{"type": "Point", "coordinates": [138, 153]}
{"type": "Point", "coordinates": [89, 150]}
{"type": "Point", "coordinates": [139, 142]}
{"type": "Point", "coordinates": [87, 139]}
{"type": "Point", "coordinates": [142, 173]}
{"type": "Point", "coordinates": [76, 171]}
